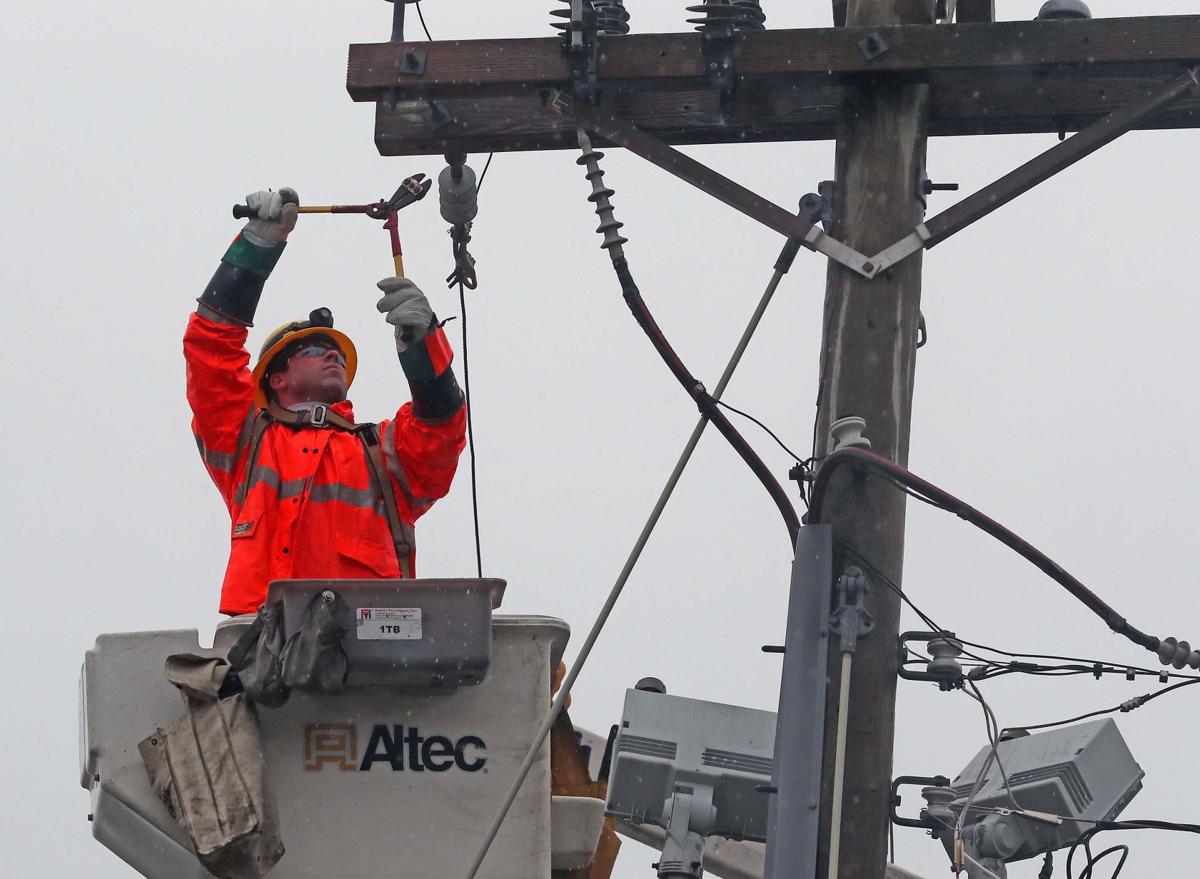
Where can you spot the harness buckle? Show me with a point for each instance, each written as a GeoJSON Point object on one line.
{"type": "Point", "coordinates": [319, 413]}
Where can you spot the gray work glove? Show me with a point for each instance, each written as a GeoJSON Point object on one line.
{"type": "Point", "coordinates": [276, 216]}
{"type": "Point", "coordinates": [407, 310]}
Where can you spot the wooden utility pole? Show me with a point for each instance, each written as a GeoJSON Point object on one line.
{"type": "Point", "coordinates": [881, 84]}
{"type": "Point", "coordinates": [868, 359]}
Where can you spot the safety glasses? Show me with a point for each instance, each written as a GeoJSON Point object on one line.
{"type": "Point", "coordinates": [318, 351]}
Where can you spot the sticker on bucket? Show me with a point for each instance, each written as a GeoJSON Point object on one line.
{"type": "Point", "coordinates": [389, 624]}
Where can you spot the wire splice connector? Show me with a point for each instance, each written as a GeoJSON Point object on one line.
{"type": "Point", "coordinates": [609, 225]}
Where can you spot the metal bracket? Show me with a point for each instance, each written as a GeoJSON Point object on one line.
{"type": "Point", "coordinates": [797, 227]}
{"type": "Point", "coordinates": [717, 47]}
{"type": "Point", "coordinates": [1037, 170]}
{"type": "Point", "coordinates": [943, 668]}
{"type": "Point", "coordinates": [925, 821]}
{"type": "Point", "coordinates": [439, 114]}
{"type": "Point", "coordinates": [851, 620]}
{"type": "Point", "coordinates": [872, 46]}
{"type": "Point", "coordinates": [412, 63]}
{"type": "Point", "coordinates": [818, 206]}
{"type": "Point", "coordinates": [581, 48]}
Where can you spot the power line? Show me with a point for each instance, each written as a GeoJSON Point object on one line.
{"type": "Point", "coordinates": [421, 15]}
{"type": "Point", "coordinates": [768, 430]}
{"type": "Point", "coordinates": [462, 305]}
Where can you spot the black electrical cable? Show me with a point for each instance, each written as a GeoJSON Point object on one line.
{"type": "Point", "coordinates": [830, 309]}
{"type": "Point", "coordinates": [462, 304]}
{"type": "Point", "coordinates": [768, 430]}
{"type": "Point", "coordinates": [421, 16]}
{"type": "Point", "coordinates": [1125, 707]}
{"type": "Point", "coordinates": [1103, 826]}
{"type": "Point", "coordinates": [707, 405]}
{"type": "Point", "coordinates": [878, 464]}
{"type": "Point", "coordinates": [1090, 866]}
{"type": "Point", "coordinates": [483, 173]}
{"type": "Point", "coordinates": [1088, 667]}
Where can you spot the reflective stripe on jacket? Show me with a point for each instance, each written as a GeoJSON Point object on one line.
{"type": "Point", "coordinates": [309, 508]}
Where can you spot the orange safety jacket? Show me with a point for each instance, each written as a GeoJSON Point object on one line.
{"type": "Point", "coordinates": [308, 505]}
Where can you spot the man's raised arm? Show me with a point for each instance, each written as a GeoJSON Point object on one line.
{"type": "Point", "coordinates": [422, 444]}
{"type": "Point", "coordinates": [219, 388]}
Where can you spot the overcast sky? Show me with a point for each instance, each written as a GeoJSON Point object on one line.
{"type": "Point", "coordinates": [1056, 392]}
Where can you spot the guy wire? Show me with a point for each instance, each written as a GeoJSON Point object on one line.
{"type": "Point", "coordinates": [614, 594]}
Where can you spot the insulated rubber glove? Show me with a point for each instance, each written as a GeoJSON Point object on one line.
{"type": "Point", "coordinates": [407, 310]}
{"type": "Point", "coordinates": [276, 216]}
{"type": "Point", "coordinates": [232, 295]}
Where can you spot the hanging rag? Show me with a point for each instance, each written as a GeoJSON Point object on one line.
{"type": "Point", "coordinates": [208, 770]}
{"type": "Point", "coordinates": [257, 657]}
{"type": "Point", "coordinates": [314, 659]}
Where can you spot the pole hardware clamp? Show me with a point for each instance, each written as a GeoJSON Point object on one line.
{"type": "Point", "coordinates": [719, 22]}
{"type": "Point", "coordinates": [412, 63]}
{"type": "Point", "coordinates": [872, 46]}
{"type": "Point", "coordinates": [850, 619]}
{"type": "Point", "coordinates": [943, 667]}
{"type": "Point", "coordinates": [580, 46]}
{"type": "Point", "coordinates": [925, 821]}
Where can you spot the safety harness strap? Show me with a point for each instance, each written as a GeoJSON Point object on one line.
{"type": "Point", "coordinates": [403, 538]}
{"type": "Point", "coordinates": [319, 415]}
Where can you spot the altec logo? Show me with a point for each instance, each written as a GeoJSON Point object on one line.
{"type": "Point", "coordinates": [398, 747]}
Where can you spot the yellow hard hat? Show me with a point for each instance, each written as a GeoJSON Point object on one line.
{"type": "Point", "coordinates": [319, 323]}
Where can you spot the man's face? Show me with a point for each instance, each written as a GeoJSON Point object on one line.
{"type": "Point", "coordinates": [315, 372]}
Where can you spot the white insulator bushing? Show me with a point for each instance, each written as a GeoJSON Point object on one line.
{"type": "Point", "coordinates": [847, 433]}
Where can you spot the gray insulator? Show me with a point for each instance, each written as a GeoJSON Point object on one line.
{"type": "Point", "coordinates": [1053, 9]}
{"type": "Point", "coordinates": [609, 225]}
{"type": "Point", "coordinates": [1178, 654]}
{"type": "Point", "coordinates": [944, 664]}
{"type": "Point", "coordinates": [726, 17]}
{"type": "Point", "coordinates": [611, 17]}
{"type": "Point", "coordinates": [459, 200]}
{"type": "Point", "coordinates": [569, 26]}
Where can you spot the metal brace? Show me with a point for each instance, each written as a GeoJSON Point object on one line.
{"type": "Point", "coordinates": [850, 619]}
{"type": "Point", "coordinates": [796, 227]}
{"type": "Point", "coordinates": [1037, 170]}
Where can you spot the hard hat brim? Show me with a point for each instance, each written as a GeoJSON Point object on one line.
{"type": "Point", "coordinates": [338, 338]}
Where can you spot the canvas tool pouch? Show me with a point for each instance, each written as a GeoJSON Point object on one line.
{"type": "Point", "coordinates": [257, 657]}
{"type": "Point", "coordinates": [314, 659]}
{"type": "Point", "coordinates": [208, 769]}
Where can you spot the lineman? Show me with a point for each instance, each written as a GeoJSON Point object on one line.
{"type": "Point", "coordinates": [311, 493]}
